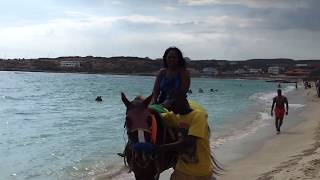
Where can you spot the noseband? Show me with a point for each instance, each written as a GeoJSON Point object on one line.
{"type": "Point", "coordinates": [141, 121]}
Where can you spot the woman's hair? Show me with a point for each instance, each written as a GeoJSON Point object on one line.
{"type": "Point", "coordinates": [181, 60]}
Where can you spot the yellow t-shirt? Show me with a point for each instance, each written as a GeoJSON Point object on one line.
{"type": "Point", "coordinates": [195, 123]}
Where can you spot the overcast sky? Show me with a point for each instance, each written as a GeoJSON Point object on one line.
{"type": "Point", "coordinates": [202, 29]}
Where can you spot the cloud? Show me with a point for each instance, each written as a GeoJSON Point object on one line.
{"type": "Point", "coordinates": [249, 3]}
{"type": "Point", "coordinates": [117, 2]}
{"type": "Point", "coordinates": [231, 22]}
{"type": "Point", "coordinates": [169, 8]}
{"type": "Point", "coordinates": [234, 32]}
{"type": "Point", "coordinates": [81, 34]}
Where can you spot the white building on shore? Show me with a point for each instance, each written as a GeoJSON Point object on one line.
{"type": "Point", "coordinates": [301, 65]}
{"type": "Point", "coordinates": [70, 64]}
{"type": "Point", "coordinates": [274, 70]}
{"type": "Point", "coordinates": [210, 71]}
{"type": "Point", "coordinates": [239, 71]}
{"type": "Point", "coordinates": [255, 71]}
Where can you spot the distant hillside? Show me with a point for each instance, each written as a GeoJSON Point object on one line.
{"type": "Point", "coordinates": [137, 65]}
{"type": "Point", "coordinates": [270, 61]}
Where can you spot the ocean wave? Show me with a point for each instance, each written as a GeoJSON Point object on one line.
{"type": "Point", "coordinates": [11, 98]}
{"type": "Point", "coordinates": [102, 170]}
{"type": "Point", "coordinates": [263, 97]}
{"type": "Point", "coordinates": [267, 97]}
{"type": "Point", "coordinates": [296, 106]}
{"type": "Point", "coordinates": [256, 124]}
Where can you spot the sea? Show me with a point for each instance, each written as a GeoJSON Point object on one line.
{"type": "Point", "coordinates": [52, 128]}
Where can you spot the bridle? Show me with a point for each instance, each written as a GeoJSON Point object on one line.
{"type": "Point", "coordinates": [136, 122]}
{"type": "Point", "coordinates": [139, 119]}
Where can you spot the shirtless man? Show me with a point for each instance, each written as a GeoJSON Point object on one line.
{"type": "Point", "coordinates": [279, 111]}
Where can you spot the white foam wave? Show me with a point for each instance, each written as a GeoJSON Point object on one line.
{"type": "Point", "coordinates": [260, 122]}
{"type": "Point", "coordinates": [266, 97]}
{"type": "Point", "coordinates": [265, 116]}
{"type": "Point", "coordinates": [263, 97]}
{"type": "Point", "coordinates": [10, 98]}
{"type": "Point", "coordinates": [296, 106]}
{"type": "Point", "coordinates": [125, 176]}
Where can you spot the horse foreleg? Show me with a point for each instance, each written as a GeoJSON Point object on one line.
{"type": "Point", "coordinates": [157, 165]}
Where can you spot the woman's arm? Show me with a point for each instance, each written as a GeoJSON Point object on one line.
{"type": "Point", "coordinates": [185, 80]}
{"type": "Point", "coordinates": [156, 87]}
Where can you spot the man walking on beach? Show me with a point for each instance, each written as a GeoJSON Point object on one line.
{"type": "Point", "coordinates": [279, 111]}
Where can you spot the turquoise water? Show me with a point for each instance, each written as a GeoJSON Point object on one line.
{"type": "Point", "coordinates": [52, 128]}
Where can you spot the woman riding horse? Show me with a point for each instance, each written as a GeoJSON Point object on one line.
{"type": "Point", "coordinates": [148, 160]}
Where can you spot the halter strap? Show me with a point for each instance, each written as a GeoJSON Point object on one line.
{"type": "Point", "coordinates": [153, 130]}
{"type": "Point", "coordinates": [137, 129]}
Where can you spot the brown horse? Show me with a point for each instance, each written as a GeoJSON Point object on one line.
{"type": "Point", "coordinates": [138, 153]}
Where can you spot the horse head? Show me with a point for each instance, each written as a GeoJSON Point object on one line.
{"type": "Point", "coordinates": [144, 129]}
{"type": "Point", "coordinates": [138, 119]}
{"type": "Point", "coordinates": [138, 124]}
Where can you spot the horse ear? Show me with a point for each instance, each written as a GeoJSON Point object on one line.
{"type": "Point", "coordinates": [125, 100]}
{"type": "Point", "coordinates": [147, 101]}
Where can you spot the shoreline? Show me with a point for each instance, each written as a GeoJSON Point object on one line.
{"type": "Point", "coordinates": [292, 154]}
{"type": "Point", "coordinates": [253, 77]}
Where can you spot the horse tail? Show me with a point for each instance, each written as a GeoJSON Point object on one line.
{"type": "Point", "coordinates": [217, 168]}
{"type": "Point", "coordinates": [128, 157]}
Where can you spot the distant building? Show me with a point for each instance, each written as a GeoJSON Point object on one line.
{"type": "Point", "coordinates": [222, 63]}
{"type": "Point", "coordinates": [255, 71]}
{"type": "Point", "coordinates": [70, 64]}
{"type": "Point", "coordinates": [210, 71]}
{"type": "Point", "coordinates": [298, 72]}
{"type": "Point", "coordinates": [301, 65]}
{"type": "Point", "coordinates": [239, 71]}
{"type": "Point", "coordinates": [274, 70]}
{"type": "Point", "coordinates": [228, 73]}
{"type": "Point", "coordinates": [233, 62]}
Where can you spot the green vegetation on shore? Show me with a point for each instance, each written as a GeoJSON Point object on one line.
{"type": "Point", "coordinates": [147, 66]}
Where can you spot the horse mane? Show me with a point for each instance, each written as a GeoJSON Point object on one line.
{"type": "Point", "coordinates": [138, 101]}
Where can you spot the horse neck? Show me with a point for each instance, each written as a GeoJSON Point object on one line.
{"type": "Point", "coordinates": [164, 135]}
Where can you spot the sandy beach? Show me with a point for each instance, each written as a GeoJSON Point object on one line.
{"type": "Point", "coordinates": [294, 154]}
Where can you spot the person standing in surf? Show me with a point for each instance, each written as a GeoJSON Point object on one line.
{"type": "Point", "coordinates": [279, 101]}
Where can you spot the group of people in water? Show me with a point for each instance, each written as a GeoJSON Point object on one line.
{"type": "Point", "coordinates": [200, 90]}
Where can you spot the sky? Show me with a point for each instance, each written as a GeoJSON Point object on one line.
{"type": "Point", "coordinates": [202, 29]}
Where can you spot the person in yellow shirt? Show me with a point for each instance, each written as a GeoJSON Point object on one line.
{"type": "Point", "coordinates": [194, 160]}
